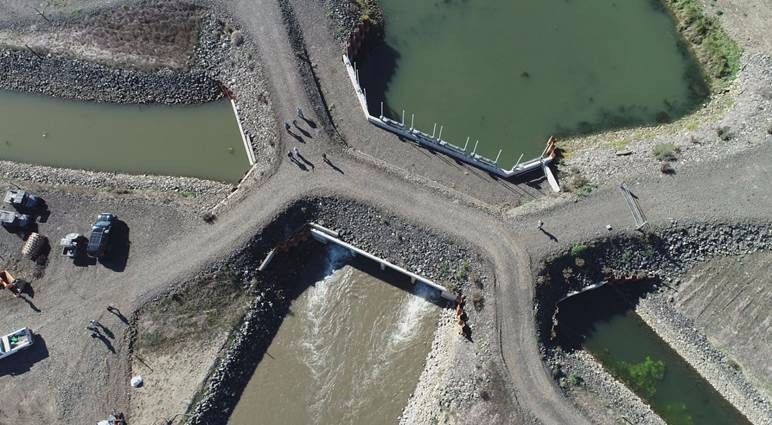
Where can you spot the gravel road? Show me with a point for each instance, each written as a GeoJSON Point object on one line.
{"type": "Point", "coordinates": [170, 245]}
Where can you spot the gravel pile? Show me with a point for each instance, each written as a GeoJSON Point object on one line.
{"type": "Point", "coordinates": [730, 123]}
{"type": "Point", "coordinates": [670, 252]}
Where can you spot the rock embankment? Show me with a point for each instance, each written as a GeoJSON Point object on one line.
{"type": "Point", "coordinates": [669, 252]}
{"type": "Point", "coordinates": [51, 75]}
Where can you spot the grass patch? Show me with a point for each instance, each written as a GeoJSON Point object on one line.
{"type": "Point", "coordinates": [188, 194]}
{"type": "Point", "coordinates": [620, 144]}
{"type": "Point", "coordinates": [665, 152]}
{"type": "Point", "coordinates": [718, 54]}
{"type": "Point", "coordinates": [462, 272]}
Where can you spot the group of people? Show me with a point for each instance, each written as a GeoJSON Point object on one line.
{"type": "Point", "coordinates": [294, 154]}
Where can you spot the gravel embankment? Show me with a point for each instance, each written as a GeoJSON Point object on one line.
{"type": "Point", "coordinates": [670, 252]}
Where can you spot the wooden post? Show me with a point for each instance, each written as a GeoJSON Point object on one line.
{"type": "Point", "coordinates": [440, 136]}
{"type": "Point", "coordinates": [434, 129]}
{"type": "Point", "coordinates": [465, 144]}
{"type": "Point", "coordinates": [412, 117]}
{"type": "Point", "coordinates": [497, 157]}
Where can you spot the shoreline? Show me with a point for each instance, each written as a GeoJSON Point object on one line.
{"type": "Point", "coordinates": [672, 251]}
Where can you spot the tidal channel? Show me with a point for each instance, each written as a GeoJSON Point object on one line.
{"type": "Point", "coordinates": [603, 323]}
{"type": "Point", "coordinates": [192, 141]}
{"type": "Point", "coordinates": [512, 73]}
{"type": "Point", "coordinates": [350, 350]}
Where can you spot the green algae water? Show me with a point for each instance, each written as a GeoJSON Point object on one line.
{"type": "Point", "coordinates": [193, 141]}
{"type": "Point", "coordinates": [631, 351]}
{"type": "Point", "coordinates": [512, 73]}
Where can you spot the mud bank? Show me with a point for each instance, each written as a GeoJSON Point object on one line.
{"type": "Point", "coordinates": [421, 250]}
{"type": "Point", "coordinates": [669, 252]}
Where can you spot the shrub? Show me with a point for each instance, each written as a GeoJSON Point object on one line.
{"type": "Point", "coordinates": [667, 169]}
{"type": "Point", "coordinates": [478, 300]}
{"type": "Point", "coordinates": [209, 218]}
{"type": "Point", "coordinates": [665, 152]}
{"type": "Point", "coordinates": [578, 250]}
{"type": "Point", "coordinates": [725, 133]}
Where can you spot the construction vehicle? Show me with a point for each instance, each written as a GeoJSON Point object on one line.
{"type": "Point", "coordinates": [14, 221]}
{"type": "Point", "coordinates": [16, 286]}
{"type": "Point", "coordinates": [100, 236]}
{"type": "Point", "coordinates": [22, 200]}
{"type": "Point", "coordinates": [15, 341]}
{"type": "Point", "coordinates": [73, 244]}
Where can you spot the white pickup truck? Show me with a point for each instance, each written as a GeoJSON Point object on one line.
{"type": "Point", "coordinates": [15, 342]}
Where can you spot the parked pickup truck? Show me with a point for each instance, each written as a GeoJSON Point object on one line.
{"type": "Point", "coordinates": [15, 341]}
{"type": "Point", "coordinates": [100, 236]}
{"type": "Point", "coordinates": [22, 200]}
{"type": "Point", "coordinates": [14, 221]}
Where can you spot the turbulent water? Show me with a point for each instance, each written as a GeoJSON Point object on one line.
{"type": "Point", "coordinates": [350, 351]}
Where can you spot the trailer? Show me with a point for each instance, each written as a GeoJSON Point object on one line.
{"type": "Point", "coordinates": [15, 341]}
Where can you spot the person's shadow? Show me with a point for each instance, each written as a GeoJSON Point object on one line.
{"type": "Point", "coordinates": [105, 341]}
{"type": "Point", "coordinates": [549, 235]}
{"type": "Point", "coordinates": [120, 245]}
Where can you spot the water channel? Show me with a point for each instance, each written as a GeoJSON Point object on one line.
{"type": "Point", "coordinates": [603, 323]}
{"type": "Point", "coordinates": [194, 141]}
{"type": "Point", "coordinates": [350, 351]}
{"type": "Point", "coordinates": [512, 73]}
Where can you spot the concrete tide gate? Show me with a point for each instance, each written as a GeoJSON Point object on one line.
{"type": "Point", "coordinates": [324, 235]}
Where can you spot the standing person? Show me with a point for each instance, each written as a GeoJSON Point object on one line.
{"type": "Point", "coordinates": [295, 151]}
{"type": "Point", "coordinates": [300, 113]}
{"type": "Point", "coordinates": [286, 126]}
{"type": "Point", "coordinates": [540, 225]}
{"type": "Point", "coordinates": [324, 158]}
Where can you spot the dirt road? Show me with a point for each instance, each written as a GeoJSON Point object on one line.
{"type": "Point", "coordinates": [83, 380]}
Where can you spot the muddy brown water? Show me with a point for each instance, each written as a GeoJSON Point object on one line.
{"type": "Point", "coordinates": [349, 352]}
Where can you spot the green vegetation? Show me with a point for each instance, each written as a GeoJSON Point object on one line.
{"type": "Point", "coordinates": [370, 11]}
{"type": "Point", "coordinates": [677, 414]}
{"type": "Point", "coordinates": [578, 250]}
{"type": "Point", "coordinates": [574, 379]}
{"type": "Point", "coordinates": [620, 144]}
{"type": "Point", "coordinates": [716, 51]}
{"type": "Point", "coordinates": [641, 377]}
{"type": "Point", "coordinates": [462, 272]}
{"type": "Point", "coordinates": [666, 152]}
{"type": "Point", "coordinates": [627, 255]}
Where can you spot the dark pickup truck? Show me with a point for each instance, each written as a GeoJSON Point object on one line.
{"type": "Point", "coordinates": [100, 236]}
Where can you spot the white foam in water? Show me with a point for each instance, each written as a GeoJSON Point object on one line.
{"type": "Point", "coordinates": [414, 307]}
{"type": "Point", "coordinates": [314, 339]}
